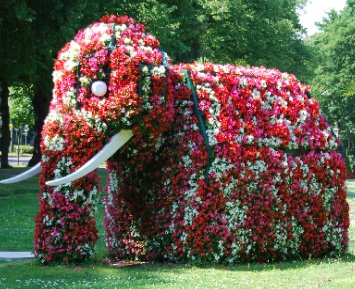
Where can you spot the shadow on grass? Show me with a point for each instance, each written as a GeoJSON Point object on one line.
{"type": "Point", "coordinates": [100, 260]}
{"type": "Point", "coordinates": [10, 172]}
{"type": "Point", "coordinates": [29, 186]}
{"type": "Point", "coordinates": [97, 274]}
{"type": "Point", "coordinates": [351, 195]}
{"type": "Point", "coordinates": [89, 276]}
{"type": "Point", "coordinates": [258, 267]}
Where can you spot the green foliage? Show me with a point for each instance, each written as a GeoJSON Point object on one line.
{"type": "Point", "coordinates": [256, 32]}
{"type": "Point", "coordinates": [16, 53]}
{"type": "Point", "coordinates": [26, 149]}
{"type": "Point", "coordinates": [21, 109]}
{"type": "Point", "coordinates": [335, 53]}
{"type": "Point", "coordinates": [235, 31]}
{"type": "Point", "coordinates": [350, 90]}
{"type": "Point", "coordinates": [334, 82]}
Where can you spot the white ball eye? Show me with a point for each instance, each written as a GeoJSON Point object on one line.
{"type": "Point", "coordinates": [99, 88]}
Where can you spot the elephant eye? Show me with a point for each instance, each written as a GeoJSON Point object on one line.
{"type": "Point", "coordinates": [99, 88]}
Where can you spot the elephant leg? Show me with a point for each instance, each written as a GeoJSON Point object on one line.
{"type": "Point", "coordinates": [123, 239]}
{"type": "Point", "coordinates": [65, 224]}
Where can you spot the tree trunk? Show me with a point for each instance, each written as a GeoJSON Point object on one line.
{"type": "Point", "coordinates": [5, 128]}
{"type": "Point", "coordinates": [40, 107]}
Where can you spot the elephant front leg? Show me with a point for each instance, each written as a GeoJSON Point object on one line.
{"type": "Point", "coordinates": [65, 224]}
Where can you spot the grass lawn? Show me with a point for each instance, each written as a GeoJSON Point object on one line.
{"type": "Point", "coordinates": [18, 206]}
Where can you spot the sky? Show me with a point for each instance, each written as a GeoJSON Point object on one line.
{"type": "Point", "coordinates": [316, 10]}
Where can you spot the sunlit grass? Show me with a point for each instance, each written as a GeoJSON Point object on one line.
{"type": "Point", "coordinates": [351, 201]}
{"type": "Point", "coordinates": [18, 206]}
{"type": "Point", "coordinates": [305, 274]}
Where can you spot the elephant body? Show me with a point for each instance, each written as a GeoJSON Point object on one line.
{"type": "Point", "coordinates": [226, 164]}
{"type": "Point", "coordinates": [268, 189]}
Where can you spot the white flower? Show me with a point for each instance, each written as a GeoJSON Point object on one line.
{"type": "Point", "coordinates": [105, 38]}
{"type": "Point", "coordinates": [70, 65]}
{"type": "Point", "coordinates": [45, 158]}
{"type": "Point", "coordinates": [57, 75]}
{"type": "Point", "coordinates": [255, 94]}
{"type": "Point", "coordinates": [250, 139]}
{"type": "Point", "coordinates": [121, 27]}
{"type": "Point", "coordinates": [71, 53]}
{"type": "Point", "coordinates": [145, 69]}
{"type": "Point", "coordinates": [127, 41]}
{"type": "Point", "coordinates": [187, 161]}
{"type": "Point", "coordinates": [303, 116]}
{"type": "Point", "coordinates": [54, 144]}
{"type": "Point", "coordinates": [158, 71]}
{"type": "Point", "coordinates": [85, 81]}
{"type": "Point", "coordinates": [243, 82]}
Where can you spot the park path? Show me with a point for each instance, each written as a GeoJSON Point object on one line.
{"type": "Point", "coordinates": [16, 255]}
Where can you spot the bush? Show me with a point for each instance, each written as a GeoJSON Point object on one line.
{"type": "Point", "coordinates": [25, 149]}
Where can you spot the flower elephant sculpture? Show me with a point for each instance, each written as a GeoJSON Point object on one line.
{"type": "Point", "coordinates": [206, 163]}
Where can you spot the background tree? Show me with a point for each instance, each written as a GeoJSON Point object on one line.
{"type": "Point", "coordinates": [253, 32]}
{"type": "Point", "coordinates": [15, 59]}
{"type": "Point", "coordinates": [334, 80]}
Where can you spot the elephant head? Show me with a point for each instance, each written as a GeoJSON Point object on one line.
{"type": "Point", "coordinates": [110, 83]}
{"type": "Point", "coordinates": [110, 87]}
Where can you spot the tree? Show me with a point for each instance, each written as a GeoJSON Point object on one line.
{"type": "Point", "coordinates": [334, 82]}
{"type": "Point", "coordinates": [5, 128]}
{"type": "Point", "coordinates": [15, 61]}
{"type": "Point", "coordinates": [256, 32]}
{"type": "Point", "coordinates": [236, 31]}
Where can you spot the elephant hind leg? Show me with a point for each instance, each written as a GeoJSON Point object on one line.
{"type": "Point", "coordinates": [120, 219]}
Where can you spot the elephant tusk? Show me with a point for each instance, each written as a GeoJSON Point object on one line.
{"type": "Point", "coordinates": [116, 142]}
{"type": "Point", "coordinates": [24, 176]}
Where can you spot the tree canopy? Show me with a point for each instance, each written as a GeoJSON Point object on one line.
{"type": "Point", "coordinates": [16, 60]}
{"type": "Point", "coordinates": [254, 32]}
{"type": "Point", "coordinates": [334, 70]}
{"type": "Point", "coordinates": [334, 54]}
